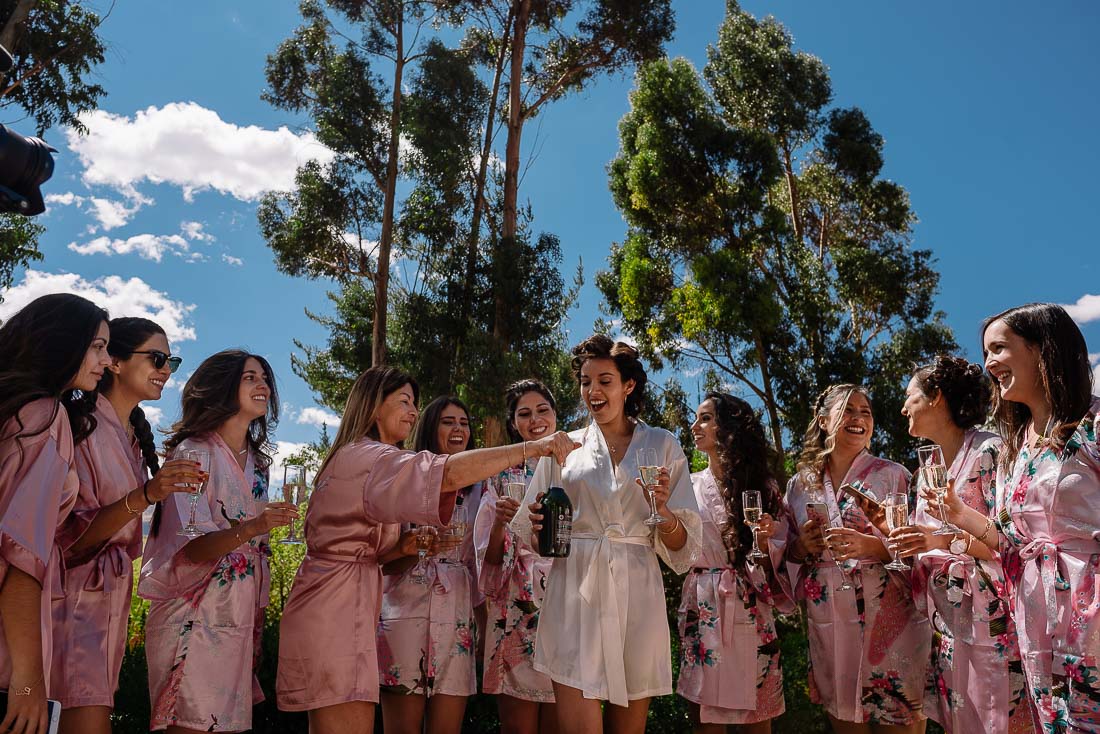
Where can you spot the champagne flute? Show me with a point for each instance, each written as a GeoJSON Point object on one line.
{"type": "Point", "coordinates": [294, 489]}
{"type": "Point", "coordinates": [424, 535]}
{"type": "Point", "coordinates": [817, 509]}
{"type": "Point", "coordinates": [897, 516]}
{"type": "Point", "coordinates": [202, 458]}
{"type": "Point", "coordinates": [649, 470]}
{"type": "Point", "coordinates": [752, 507]}
{"type": "Point", "coordinates": [933, 473]}
{"type": "Point", "coordinates": [515, 491]}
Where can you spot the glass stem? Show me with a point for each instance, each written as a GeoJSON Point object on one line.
{"type": "Point", "coordinates": [194, 504]}
{"type": "Point", "coordinates": [652, 500]}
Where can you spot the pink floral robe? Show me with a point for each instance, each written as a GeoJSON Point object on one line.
{"type": "Point", "coordinates": [727, 623]}
{"type": "Point", "coordinates": [38, 488]}
{"type": "Point", "coordinates": [427, 633]}
{"type": "Point", "coordinates": [514, 590]}
{"type": "Point", "coordinates": [327, 638]}
{"type": "Point", "coordinates": [869, 647]}
{"type": "Point", "coordinates": [1049, 511]}
{"type": "Point", "coordinates": [203, 631]}
{"type": "Point", "coordinates": [90, 623]}
{"type": "Point", "coordinates": [976, 681]}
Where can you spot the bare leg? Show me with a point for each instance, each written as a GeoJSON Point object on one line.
{"type": "Point", "coordinates": [849, 727]}
{"type": "Point", "coordinates": [576, 714]}
{"type": "Point", "coordinates": [183, 730]}
{"type": "Point", "coordinates": [548, 718]}
{"type": "Point", "coordinates": [85, 720]}
{"type": "Point", "coordinates": [917, 727]}
{"type": "Point", "coordinates": [403, 714]}
{"type": "Point", "coordinates": [517, 716]}
{"type": "Point", "coordinates": [445, 714]}
{"type": "Point", "coordinates": [354, 717]}
{"type": "Point", "coordinates": [760, 727]}
{"type": "Point", "coordinates": [629, 719]}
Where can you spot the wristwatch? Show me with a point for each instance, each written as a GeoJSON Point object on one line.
{"type": "Point", "coordinates": [959, 544]}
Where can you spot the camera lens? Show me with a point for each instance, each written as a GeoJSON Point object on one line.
{"type": "Point", "coordinates": [25, 164]}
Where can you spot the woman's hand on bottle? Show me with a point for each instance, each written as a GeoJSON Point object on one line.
{"type": "Point", "coordinates": [849, 544]}
{"type": "Point", "coordinates": [661, 489]}
{"type": "Point", "coordinates": [506, 509]}
{"type": "Point", "coordinates": [812, 536]}
{"type": "Point", "coordinates": [875, 512]}
{"type": "Point", "coordinates": [274, 515]}
{"type": "Point", "coordinates": [557, 445]}
{"type": "Point", "coordinates": [177, 475]}
{"type": "Point", "coordinates": [534, 514]}
{"type": "Point", "coordinates": [913, 539]}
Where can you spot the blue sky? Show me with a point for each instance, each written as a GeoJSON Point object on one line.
{"type": "Point", "coordinates": [988, 111]}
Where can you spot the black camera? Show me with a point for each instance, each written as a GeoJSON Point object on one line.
{"type": "Point", "coordinates": [25, 164]}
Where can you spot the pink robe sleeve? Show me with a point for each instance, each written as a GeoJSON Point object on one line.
{"type": "Point", "coordinates": [400, 486]}
{"type": "Point", "coordinates": [33, 473]}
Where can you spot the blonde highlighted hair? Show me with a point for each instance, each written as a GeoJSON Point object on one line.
{"type": "Point", "coordinates": [818, 442]}
{"type": "Point", "coordinates": [360, 418]}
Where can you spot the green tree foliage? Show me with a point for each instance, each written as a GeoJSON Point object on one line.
{"type": "Point", "coordinates": [763, 240]}
{"type": "Point", "coordinates": [56, 46]}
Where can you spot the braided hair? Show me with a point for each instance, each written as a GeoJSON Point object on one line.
{"type": "Point", "coordinates": [127, 335]}
{"type": "Point", "coordinates": [745, 459]}
{"type": "Point", "coordinates": [818, 442]}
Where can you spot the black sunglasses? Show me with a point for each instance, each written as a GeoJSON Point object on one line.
{"type": "Point", "coordinates": [160, 358]}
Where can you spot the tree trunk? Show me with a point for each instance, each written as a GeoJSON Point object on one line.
{"type": "Point", "coordinates": [773, 409]}
{"type": "Point", "coordinates": [479, 189]}
{"type": "Point", "coordinates": [511, 154]}
{"type": "Point", "coordinates": [15, 22]}
{"type": "Point", "coordinates": [385, 240]}
{"type": "Point", "coordinates": [792, 190]}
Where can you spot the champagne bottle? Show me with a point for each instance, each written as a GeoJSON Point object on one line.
{"type": "Point", "coordinates": [557, 518]}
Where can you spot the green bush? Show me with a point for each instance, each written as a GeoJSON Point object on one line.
{"type": "Point", "coordinates": [667, 714]}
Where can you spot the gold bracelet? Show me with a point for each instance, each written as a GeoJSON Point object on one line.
{"type": "Point", "coordinates": [524, 456]}
{"type": "Point", "coordinates": [26, 690]}
{"type": "Point", "coordinates": [675, 526]}
{"type": "Point", "coordinates": [969, 543]}
{"type": "Point", "coordinates": [988, 527]}
{"type": "Point", "coordinates": [126, 502]}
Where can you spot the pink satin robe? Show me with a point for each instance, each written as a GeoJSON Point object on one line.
{"type": "Point", "coordinates": [976, 681]}
{"type": "Point", "coordinates": [1049, 509]}
{"type": "Point", "coordinates": [327, 645]}
{"type": "Point", "coordinates": [869, 647]}
{"type": "Point", "coordinates": [427, 633]}
{"type": "Point", "coordinates": [514, 591]}
{"type": "Point", "coordinates": [727, 623]}
{"type": "Point", "coordinates": [90, 623]}
{"type": "Point", "coordinates": [37, 491]}
{"type": "Point", "coordinates": [205, 619]}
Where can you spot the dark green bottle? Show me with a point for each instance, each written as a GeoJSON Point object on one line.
{"type": "Point", "coordinates": [557, 518]}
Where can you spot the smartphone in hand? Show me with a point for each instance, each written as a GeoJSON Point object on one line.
{"type": "Point", "coordinates": [856, 491]}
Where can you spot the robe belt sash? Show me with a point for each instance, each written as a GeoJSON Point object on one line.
{"type": "Point", "coordinates": [738, 667]}
{"type": "Point", "coordinates": [1049, 562]}
{"type": "Point", "coordinates": [598, 590]}
{"type": "Point", "coordinates": [108, 568]}
{"type": "Point", "coordinates": [258, 554]}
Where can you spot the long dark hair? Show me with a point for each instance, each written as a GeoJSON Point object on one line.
{"type": "Point", "coordinates": [745, 459]}
{"type": "Point", "coordinates": [127, 334]}
{"type": "Point", "coordinates": [1064, 373]}
{"type": "Point", "coordinates": [42, 348]}
{"type": "Point", "coordinates": [511, 401]}
{"type": "Point", "coordinates": [427, 428]}
{"type": "Point", "coordinates": [210, 398]}
{"type": "Point", "coordinates": [360, 419]}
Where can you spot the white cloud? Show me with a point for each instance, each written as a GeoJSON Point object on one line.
{"type": "Point", "coordinates": [121, 297]}
{"type": "Point", "coordinates": [108, 213]}
{"type": "Point", "coordinates": [235, 261]}
{"type": "Point", "coordinates": [1085, 310]}
{"type": "Point", "coordinates": [317, 417]}
{"type": "Point", "coordinates": [189, 146]}
{"type": "Point", "coordinates": [148, 246]}
{"type": "Point", "coordinates": [195, 232]}
{"type": "Point", "coordinates": [154, 415]}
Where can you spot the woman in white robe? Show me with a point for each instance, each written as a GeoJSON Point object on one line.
{"type": "Point", "coordinates": [603, 631]}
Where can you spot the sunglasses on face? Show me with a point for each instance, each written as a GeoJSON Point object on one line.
{"type": "Point", "coordinates": [160, 359]}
